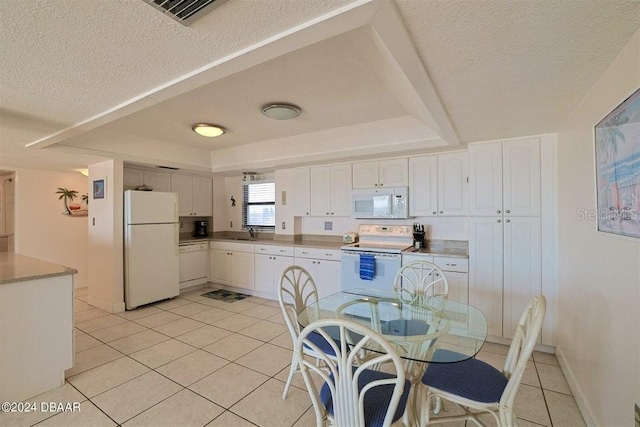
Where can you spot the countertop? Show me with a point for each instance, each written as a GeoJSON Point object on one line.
{"type": "Point", "coordinates": [20, 268]}
{"type": "Point", "coordinates": [456, 252]}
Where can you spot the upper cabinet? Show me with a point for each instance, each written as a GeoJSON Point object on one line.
{"type": "Point", "coordinates": [330, 190]}
{"type": "Point", "coordinates": [438, 185]}
{"type": "Point", "coordinates": [504, 178]}
{"type": "Point", "coordinates": [195, 194]}
{"type": "Point", "coordinates": [383, 173]}
{"type": "Point", "coordinates": [159, 181]}
{"type": "Point", "coordinates": [301, 192]}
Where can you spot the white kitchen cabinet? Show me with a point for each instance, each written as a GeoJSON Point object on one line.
{"type": "Point", "coordinates": [423, 186]}
{"type": "Point", "coordinates": [270, 262]}
{"type": "Point", "coordinates": [159, 181]}
{"type": "Point", "coordinates": [132, 178]}
{"type": "Point", "coordinates": [330, 188]}
{"type": "Point", "coordinates": [232, 264]}
{"type": "Point", "coordinates": [324, 267]}
{"type": "Point", "coordinates": [301, 192]}
{"type": "Point", "coordinates": [383, 173]}
{"type": "Point", "coordinates": [453, 195]}
{"type": "Point", "coordinates": [438, 185]}
{"type": "Point", "coordinates": [504, 178]}
{"type": "Point", "coordinates": [454, 268]}
{"type": "Point", "coordinates": [195, 197]}
{"type": "Point", "coordinates": [505, 256]}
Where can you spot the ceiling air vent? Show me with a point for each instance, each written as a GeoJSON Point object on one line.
{"type": "Point", "coordinates": [185, 11]}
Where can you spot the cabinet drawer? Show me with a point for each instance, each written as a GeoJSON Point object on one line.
{"type": "Point", "coordinates": [407, 258]}
{"type": "Point", "coordinates": [223, 246]}
{"type": "Point", "coordinates": [274, 250]}
{"type": "Point", "coordinates": [241, 247]}
{"type": "Point", "coordinates": [306, 252]}
{"type": "Point", "coordinates": [460, 265]}
{"type": "Point", "coordinates": [329, 254]}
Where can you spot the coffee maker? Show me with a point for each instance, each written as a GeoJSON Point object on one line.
{"type": "Point", "coordinates": [200, 229]}
{"type": "Point", "coordinates": [418, 236]}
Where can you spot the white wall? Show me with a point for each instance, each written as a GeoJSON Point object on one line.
{"type": "Point", "coordinates": [41, 231]}
{"type": "Point", "coordinates": [106, 264]}
{"type": "Point", "coordinates": [599, 274]}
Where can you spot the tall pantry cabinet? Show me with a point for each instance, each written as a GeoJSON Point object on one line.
{"type": "Point", "coordinates": [505, 231]}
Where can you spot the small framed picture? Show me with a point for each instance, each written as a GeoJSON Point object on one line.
{"type": "Point", "coordinates": [99, 188]}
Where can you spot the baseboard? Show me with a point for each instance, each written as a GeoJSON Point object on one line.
{"type": "Point", "coordinates": [506, 341]}
{"type": "Point", "coordinates": [77, 284]}
{"type": "Point", "coordinates": [581, 400]}
{"type": "Point", "coordinates": [117, 307]}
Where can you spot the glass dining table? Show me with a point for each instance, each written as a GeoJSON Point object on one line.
{"type": "Point", "coordinates": [423, 329]}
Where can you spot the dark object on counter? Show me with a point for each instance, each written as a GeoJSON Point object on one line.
{"type": "Point", "coordinates": [418, 236]}
{"type": "Point", "coordinates": [200, 229]}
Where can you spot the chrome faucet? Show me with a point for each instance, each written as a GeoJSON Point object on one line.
{"type": "Point", "coordinates": [252, 233]}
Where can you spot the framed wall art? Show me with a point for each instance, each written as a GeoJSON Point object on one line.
{"type": "Point", "coordinates": [99, 188]}
{"type": "Point", "coordinates": [617, 145]}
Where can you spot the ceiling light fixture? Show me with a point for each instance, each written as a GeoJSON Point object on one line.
{"type": "Point", "coordinates": [208, 130]}
{"type": "Point", "coordinates": [281, 111]}
{"type": "Point", "coordinates": [84, 172]}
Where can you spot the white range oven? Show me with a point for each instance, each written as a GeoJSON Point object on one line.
{"type": "Point", "coordinates": [385, 244]}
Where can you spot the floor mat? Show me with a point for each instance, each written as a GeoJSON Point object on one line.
{"type": "Point", "coordinates": [226, 296]}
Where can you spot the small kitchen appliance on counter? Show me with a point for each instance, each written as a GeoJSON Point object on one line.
{"type": "Point", "coordinates": [200, 229]}
{"type": "Point", "coordinates": [418, 236]}
{"type": "Point", "coordinates": [349, 238]}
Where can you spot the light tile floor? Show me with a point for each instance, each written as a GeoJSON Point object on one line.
{"type": "Point", "coordinates": [194, 361]}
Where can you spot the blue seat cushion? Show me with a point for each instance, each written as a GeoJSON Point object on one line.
{"type": "Point", "coordinates": [472, 379]}
{"type": "Point", "coordinates": [376, 400]}
{"type": "Point", "coordinates": [322, 343]}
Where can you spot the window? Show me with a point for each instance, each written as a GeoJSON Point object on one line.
{"type": "Point", "coordinates": [259, 207]}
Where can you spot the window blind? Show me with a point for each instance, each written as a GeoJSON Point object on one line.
{"type": "Point", "coordinates": [259, 207]}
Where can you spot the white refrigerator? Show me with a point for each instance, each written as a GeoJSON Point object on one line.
{"type": "Point", "coordinates": [151, 247]}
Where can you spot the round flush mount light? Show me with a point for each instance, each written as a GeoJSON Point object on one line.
{"type": "Point", "coordinates": [281, 111]}
{"type": "Point", "coordinates": [208, 130]}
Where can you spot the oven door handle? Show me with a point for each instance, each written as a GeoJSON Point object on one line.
{"type": "Point", "coordinates": [375, 255]}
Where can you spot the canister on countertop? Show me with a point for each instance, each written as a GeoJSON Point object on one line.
{"type": "Point", "coordinates": [349, 238]}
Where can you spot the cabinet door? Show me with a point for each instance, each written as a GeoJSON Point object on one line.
{"type": "Point", "coordinates": [341, 190]}
{"type": "Point", "coordinates": [243, 265]}
{"type": "Point", "coordinates": [301, 192]}
{"type": "Point", "coordinates": [202, 196]}
{"type": "Point", "coordinates": [458, 286]}
{"type": "Point", "coordinates": [159, 181]}
{"type": "Point", "coordinates": [485, 270]}
{"type": "Point", "coordinates": [365, 175]}
{"type": "Point", "coordinates": [218, 271]}
{"type": "Point", "coordinates": [264, 275]}
{"type": "Point", "coordinates": [453, 196]}
{"type": "Point", "coordinates": [183, 185]}
{"type": "Point", "coordinates": [522, 268]}
{"type": "Point", "coordinates": [394, 173]}
{"type": "Point", "coordinates": [280, 264]}
{"type": "Point", "coordinates": [320, 186]}
{"type": "Point", "coordinates": [132, 178]}
{"type": "Point", "coordinates": [311, 265]}
{"type": "Point", "coordinates": [485, 179]}
{"type": "Point", "coordinates": [328, 277]}
{"type": "Point", "coordinates": [423, 186]}
{"type": "Point", "coordinates": [521, 177]}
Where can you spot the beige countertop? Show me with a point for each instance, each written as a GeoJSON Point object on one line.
{"type": "Point", "coordinates": [450, 252]}
{"type": "Point", "coordinates": [20, 268]}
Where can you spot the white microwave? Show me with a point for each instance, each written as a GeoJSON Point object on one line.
{"type": "Point", "coordinates": [377, 203]}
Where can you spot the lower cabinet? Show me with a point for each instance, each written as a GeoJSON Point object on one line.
{"type": "Point", "coordinates": [232, 264]}
{"type": "Point", "coordinates": [454, 268]}
{"type": "Point", "coordinates": [324, 267]}
{"type": "Point", "coordinates": [270, 262]}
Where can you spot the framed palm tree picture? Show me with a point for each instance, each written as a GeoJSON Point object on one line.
{"type": "Point", "coordinates": [617, 143]}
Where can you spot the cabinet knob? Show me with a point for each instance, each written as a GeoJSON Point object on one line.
{"type": "Point", "coordinates": [331, 213]}
{"type": "Point", "coordinates": [307, 213]}
{"type": "Point", "coordinates": [499, 221]}
{"type": "Point", "coordinates": [318, 262]}
{"type": "Point", "coordinates": [508, 220]}
{"type": "Point", "coordinates": [375, 185]}
{"type": "Point", "coordinates": [498, 211]}
{"type": "Point", "coordinates": [441, 212]}
{"type": "Point", "coordinates": [381, 184]}
{"type": "Point", "coordinates": [313, 262]}
{"type": "Point", "coordinates": [435, 213]}
{"type": "Point", "coordinates": [508, 211]}
{"type": "Point", "coordinates": [327, 213]}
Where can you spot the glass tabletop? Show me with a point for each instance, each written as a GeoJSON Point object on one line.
{"type": "Point", "coordinates": [426, 329]}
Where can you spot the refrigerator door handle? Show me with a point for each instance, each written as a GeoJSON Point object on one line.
{"type": "Point", "coordinates": [177, 238]}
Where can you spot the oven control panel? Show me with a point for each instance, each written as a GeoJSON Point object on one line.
{"type": "Point", "coordinates": [385, 230]}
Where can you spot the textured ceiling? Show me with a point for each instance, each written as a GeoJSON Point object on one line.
{"type": "Point", "coordinates": [513, 68]}
{"type": "Point", "coordinates": [501, 69]}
